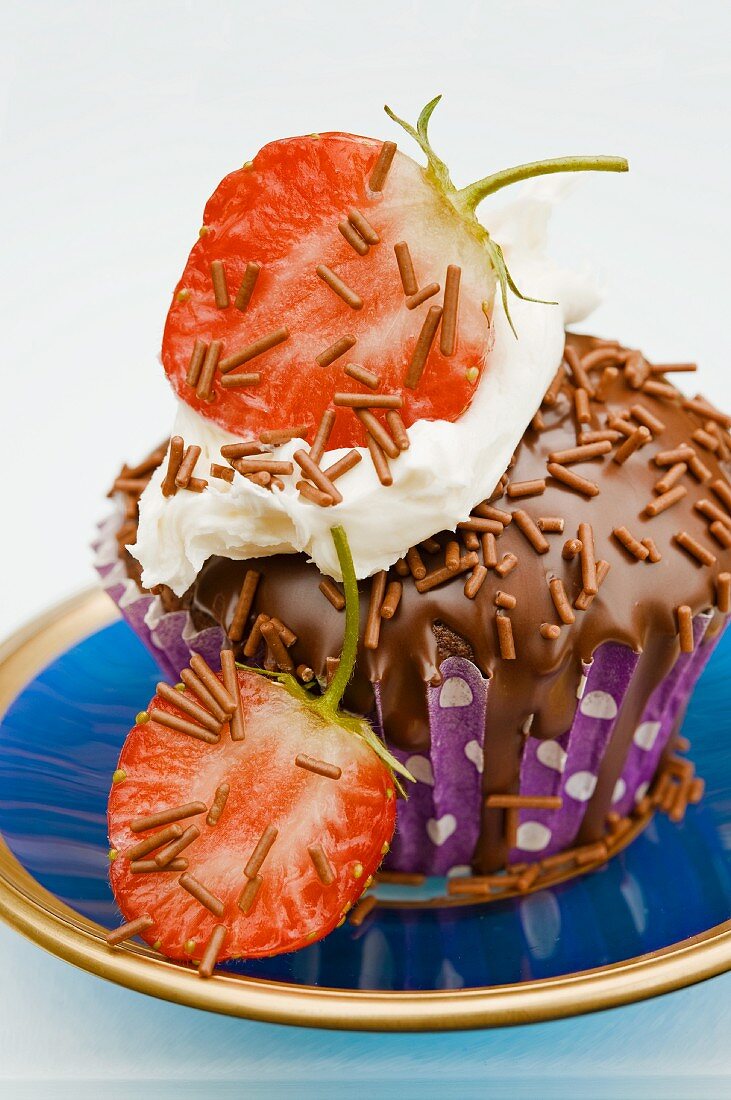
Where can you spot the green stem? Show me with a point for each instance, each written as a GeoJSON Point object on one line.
{"type": "Point", "coordinates": [334, 693]}
{"type": "Point", "coordinates": [470, 197]}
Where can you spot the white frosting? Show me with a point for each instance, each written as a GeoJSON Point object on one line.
{"type": "Point", "coordinates": [447, 469]}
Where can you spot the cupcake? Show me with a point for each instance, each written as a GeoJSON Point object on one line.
{"type": "Point", "coordinates": [540, 523]}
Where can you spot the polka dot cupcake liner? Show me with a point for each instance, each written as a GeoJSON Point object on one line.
{"type": "Point", "coordinates": [570, 766]}
{"type": "Point", "coordinates": [439, 825]}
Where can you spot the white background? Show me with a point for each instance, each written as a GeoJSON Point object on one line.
{"type": "Point", "coordinates": [116, 123]}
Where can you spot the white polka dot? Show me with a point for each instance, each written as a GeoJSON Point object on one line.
{"type": "Point", "coordinates": [598, 704]}
{"type": "Point", "coordinates": [646, 734]}
{"type": "Point", "coordinates": [641, 791]}
{"type": "Point", "coordinates": [459, 871]}
{"type": "Point", "coordinates": [440, 829]}
{"type": "Point", "coordinates": [455, 693]}
{"type": "Point", "coordinates": [551, 755]}
{"type": "Point", "coordinates": [421, 769]}
{"type": "Point", "coordinates": [580, 786]}
{"type": "Point", "coordinates": [620, 789]}
{"type": "Point", "coordinates": [533, 836]}
{"type": "Point", "coordinates": [473, 752]}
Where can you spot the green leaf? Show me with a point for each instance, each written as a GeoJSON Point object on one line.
{"type": "Point", "coordinates": [263, 671]}
{"type": "Point", "coordinates": [371, 738]}
{"type": "Point", "coordinates": [286, 679]}
{"type": "Point", "coordinates": [405, 125]}
{"type": "Point", "coordinates": [436, 166]}
{"type": "Point", "coordinates": [499, 266]}
{"type": "Point", "coordinates": [518, 294]}
{"type": "Point", "coordinates": [507, 282]}
{"type": "Point", "coordinates": [422, 124]}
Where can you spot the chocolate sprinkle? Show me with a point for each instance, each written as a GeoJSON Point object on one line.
{"type": "Point", "coordinates": [129, 930]}
{"type": "Point", "coordinates": [322, 435]}
{"type": "Point", "coordinates": [261, 851]}
{"type": "Point", "coordinates": [353, 237]}
{"type": "Point", "coordinates": [251, 351]}
{"type": "Point", "coordinates": [219, 803]}
{"type": "Point", "coordinates": [685, 629]}
{"type": "Point", "coordinates": [636, 548]}
{"type": "Point", "coordinates": [196, 362]}
{"type": "Point", "coordinates": [364, 227]}
{"type": "Point", "coordinates": [423, 347]}
{"type": "Point", "coordinates": [406, 268]}
{"type": "Point", "coordinates": [218, 278]}
{"type": "Point", "coordinates": [248, 283]}
{"type": "Point", "coordinates": [338, 287]}
{"type": "Point", "coordinates": [332, 593]}
{"type": "Point", "coordinates": [373, 621]}
{"type": "Point", "coordinates": [208, 370]}
{"type": "Point", "coordinates": [318, 767]}
{"type": "Point", "coordinates": [197, 890]}
{"type": "Point", "coordinates": [422, 295]}
{"type": "Point", "coordinates": [175, 457]}
{"type": "Point", "coordinates": [340, 347]}
{"type": "Point", "coordinates": [448, 335]}
{"type": "Point", "coordinates": [382, 166]}
{"type": "Point", "coordinates": [322, 864]}
{"type": "Point", "coordinates": [243, 605]}
{"type": "Point", "coordinates": [212, 951]}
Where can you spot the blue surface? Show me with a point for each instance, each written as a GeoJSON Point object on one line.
{"type": "Point", "coordinates": [59, 744]}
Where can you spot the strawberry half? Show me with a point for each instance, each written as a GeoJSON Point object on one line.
{"type": "Point", "coordinates": [284, 825]}
{"type": "Point", "coordinates": [276, 221]}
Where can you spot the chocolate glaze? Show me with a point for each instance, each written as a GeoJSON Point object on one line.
{"type": "Point", "coordinates": [636, 605]}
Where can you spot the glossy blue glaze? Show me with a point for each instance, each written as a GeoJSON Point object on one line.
{"type": "Point", "coordinates": [59, 744]}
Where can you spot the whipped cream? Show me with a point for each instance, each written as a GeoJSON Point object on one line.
{"type": "Point", "coordinates": [447, 469]}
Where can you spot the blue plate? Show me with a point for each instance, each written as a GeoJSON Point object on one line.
{"type": "Point", "coordinates": [59, 743]}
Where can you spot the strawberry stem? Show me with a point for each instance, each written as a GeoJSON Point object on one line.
{"type": "Point", "coordinates": [468, 198]}
{"type": "Point", "coordinates": [327, 705]}
{"type": "Point", "coordinates": [336, 689]}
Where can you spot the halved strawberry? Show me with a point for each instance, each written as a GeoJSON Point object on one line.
{"type": "Point", "coordinates": [352, 819]}
{"type": "Point", "coordinates": [281, 212]}
{"type": "Point", "coordinates": [284, 825]}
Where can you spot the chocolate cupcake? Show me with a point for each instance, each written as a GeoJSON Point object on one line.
{"type": "Point", "coordinates": [540, 590]}
{"type": "Point", "coordinates": [530, 669]}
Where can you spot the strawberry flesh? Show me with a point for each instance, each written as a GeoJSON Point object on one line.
{"type": "Point", "coordinates": [352, 818]}
{"type": "Point", "coordinates": [282, 211]}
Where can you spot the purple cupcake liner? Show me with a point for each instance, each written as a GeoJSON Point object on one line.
{"type": "Point", "coordinates": [569, 766]}
{"type": "Point", "coordinates": [660, 718]}
{"type": "Point", "coordinates": [170, 636]}
{"type": "Point", "coordinates": [439, 824]}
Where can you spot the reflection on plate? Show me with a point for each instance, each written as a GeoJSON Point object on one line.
{"type": "Point", "coordinates": [654, 918]}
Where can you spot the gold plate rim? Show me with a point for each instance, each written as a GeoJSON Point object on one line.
{"type": "Point", "coordinates": [37, 914]}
